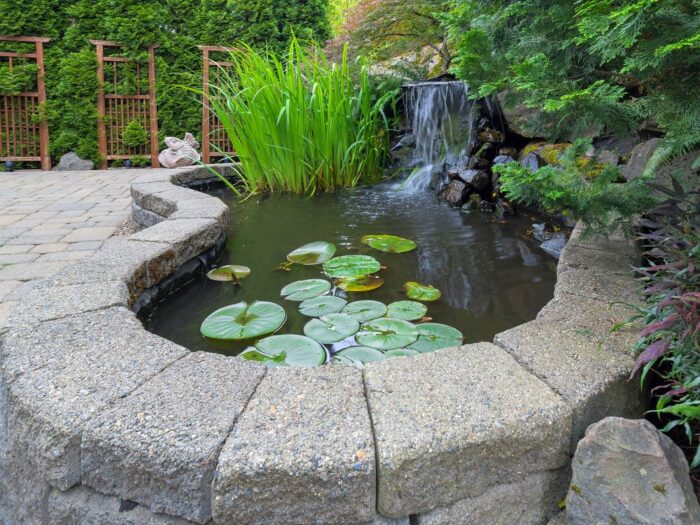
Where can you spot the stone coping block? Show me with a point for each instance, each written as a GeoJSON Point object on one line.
{"type": "Point", "coordinates": [526, 500]}
{"type": "Point", "coordinates": [50, 406]}
{"type": "Point", "coordinates": [187, 237]}
{"type": "Point", "coordinates": [449, 424]}
{"type": "Point", "coordinates": [159, 445]}
{"type": "Point", "coordinates": [586, 257]}
{"type": "Point", "coordinates": [302, 452]}
{"type": "Point", "coordinates": [588, 370]}
{"type": "Point", "coordinates": [596, 284]}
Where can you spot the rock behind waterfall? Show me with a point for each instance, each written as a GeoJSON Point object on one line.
{"type": "Point", "coordinates": [626, 471]}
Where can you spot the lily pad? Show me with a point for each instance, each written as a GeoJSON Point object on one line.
{"type": "Point", "coordinates": [326, 304]}
{"type": "Point", "coordinates": [362, 354]}
{"type": "Point", "coordinates": [366, 283]}
{"type": "Point", "coordinates": [421, 292]}
{"type": "Point", "coordinates": [243, 321]}
{"type": "Point", "coordinates": [408, 310]}
{"type": "Point", "coordinates": [271, 361]}
{"type": "Point", "coordinates": [351, 266]}
{"type": "Point", "coordinates": [231, 272]}
{"type": "Point", "coordinates": [387, 334]}
{"type": "Point", "coordinates": [331, 328]}
{"type": "Point", "coordinates": [389, 243]}
{"type": "Point", "coordinates": [400, 352]}
{"type": "Point", "coordinates": [365, 310]}
{"type": "Point", "coordinates": [307, 289]}
{"type": "Point", "coordinates": [296, 349]}
{"type": "Point", "coordinates": [434, 336]}
{"type": "Point", "coordinates": [313, 253]}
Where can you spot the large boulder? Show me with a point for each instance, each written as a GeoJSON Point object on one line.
{"type": "Point", "coordinates": [71, 162]}
{"type": "Point", "coordinates": [518, 117]}
{"type": "Point", "coordinates": [626, 471]}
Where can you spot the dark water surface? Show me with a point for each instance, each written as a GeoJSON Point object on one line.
{"type": "Point", "coordinates": [492, 275]}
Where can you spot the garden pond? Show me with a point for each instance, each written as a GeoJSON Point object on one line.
{"type": "Point", "coordinates": [490, 271]}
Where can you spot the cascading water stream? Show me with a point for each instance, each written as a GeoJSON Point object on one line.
{"type": "Point", "coordinates": [442, 119]}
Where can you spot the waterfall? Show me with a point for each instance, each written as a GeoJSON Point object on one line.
{"type": "Point", "coordinates": [441, 117]}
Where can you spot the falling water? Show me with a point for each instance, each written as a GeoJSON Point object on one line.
{"type": "Point", "coordinates": [442, 119]}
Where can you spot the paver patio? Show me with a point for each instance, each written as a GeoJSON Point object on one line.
{"type": "Point", "coordinates": [50, 219]}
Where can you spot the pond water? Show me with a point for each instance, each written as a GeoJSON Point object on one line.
{"type": "Point", "coordinates": [492, 273]}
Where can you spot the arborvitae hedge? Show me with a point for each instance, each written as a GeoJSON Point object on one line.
{"type": "Point", "coordinates": [177, 25]}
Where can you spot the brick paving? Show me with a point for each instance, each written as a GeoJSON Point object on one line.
{"type": "Point", "coordinates": [50, 219]}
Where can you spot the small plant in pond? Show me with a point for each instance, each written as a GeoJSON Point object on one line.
{"type": "Point", "coordinates": [299, 124]}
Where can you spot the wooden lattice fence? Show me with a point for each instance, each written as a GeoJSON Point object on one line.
{"type": "Point", "coordinates": [24, 132]}
{"type": "Point", "coordinates": [125, 97]}
{"type": "Point", "coordinates": [215, 141]}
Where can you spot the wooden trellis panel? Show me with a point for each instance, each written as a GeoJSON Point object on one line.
{"type": "Point", "coordinates": [215, 141]}
{"type": "Point", "coordinates": [24, 135]}
{"type": "Point", "coordinates": [116, 110]}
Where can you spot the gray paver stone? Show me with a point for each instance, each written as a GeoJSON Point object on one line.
{"type": "Point", "coordinates": [188, 237]}
{"type": "Point", "coordinates": [159, 445]}
{"type": "Point", "coordinates": [302, 452]}
{"type": "Point", "coordinates": [449, 424]}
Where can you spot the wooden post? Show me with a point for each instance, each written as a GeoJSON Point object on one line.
{"type": "Point", "coordinates": [101, 112]}
{"type": "Point", "coordinates": [152, 105]}
{"type": "Point", "coordinates": [43, 124]}
{"type": "Point", "coordinates": [206, 149]}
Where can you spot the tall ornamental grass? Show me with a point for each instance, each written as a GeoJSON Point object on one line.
{"type": "Point", "coordinates": [301, 125]}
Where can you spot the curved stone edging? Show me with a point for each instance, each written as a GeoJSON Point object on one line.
{"type": "Point", "coordinates": [96, 411]}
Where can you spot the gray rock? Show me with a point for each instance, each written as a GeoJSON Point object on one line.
{"type": "Point", "coordinates": [589, 369]}
{"type": "Point", "coordinates": [50, 406]}
{"type": "Point", "coordinates": [451, 423]}
{"type": "Point", "coordinates": [626, 471]}
{"type": "Point", "coordinates": [145, 218]}
{"type": "Point", "coordinates": [71, 162]}
{"type": "Point", "coordinates": [81, 505]}
{"type": "Point", "coordinates": [187, 237]}
{"type": "Point", "coordinates": [406, 141]}
{"type": "Point", "coordinates": [503, 159]}
{"type": "Point", "coordinates": [639, 158]}
{"type": "Point", "coordinates": [533, 161]}
{"type": "Point", "coordinates": [381, 520]}
{"type": "Point", "coordinates": [559, 519]}
{"type": "Point", "coordinates": [454, 193]}
{"type": "Point", "coordinates": [477, 179]}
{"type": "Point", "coordinates": [605, 156]}
{"type": "Point", "coordinates": [524, 500]}
{"type": "Point", "coordinates": [519, 117]}
{"type": "Point", "coordinates": [302, 452]}
{"type": "Point", "coordinates": [159, 445]}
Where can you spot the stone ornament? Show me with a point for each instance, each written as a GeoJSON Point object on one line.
{"type": "Point", "coordinates": [180, 152]}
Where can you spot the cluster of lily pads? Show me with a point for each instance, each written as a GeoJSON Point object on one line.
{"type": "Point", "coordinates": [361, 331]}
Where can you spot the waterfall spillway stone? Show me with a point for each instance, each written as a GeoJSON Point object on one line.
{"type": "Point", "coordinates": [442, 119]}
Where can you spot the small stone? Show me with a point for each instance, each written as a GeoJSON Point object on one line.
{"type": "Point", "coordinates": [627, 471]}
{"type": "Point", "coordinates": [533, 161]}
{"type": "Point", "coordinates": [72, 162]}
{"type": "Point", "coordinates": [454, 193]}
{"type": "Point", "coordinates": [503, 159]}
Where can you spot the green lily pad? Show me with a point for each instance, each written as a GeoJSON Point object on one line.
{"type": "Point", "coordinates": [408, 310]}
{"type": "Point", "coordinates": [387, 334]}
{"type": "Point", "coordinates": [421, 292]}
{"type": "Point", "coordinates": [271, 361]}
{"type": "Point", "coordinates": [231, 272]}
{"type": "Point", "coordinates": [307, 289]}
{"type": "Point", "coordinates": [389, 243]}
{"type": "Point", "coordinates": [296, 349]}
{"type": "Point", "coordinates": [400, 352]}
{"type": "Point", "coordinates": [366, 283]}
{"type": "Point", "coordinates": [434, 336]}
{"type": "Point", "coordinates": [313, 253]}
{"type": "Point", "coordinates": [243, 321]}
{"type": "Point", "coordinates": [365, 310]}
{"type": "Point", "coordinates": [331, 328]}
{"type": "Point", "coordinates": [326, 304]}
{"type": "Point", "coordinates": [362, 354]}
{"type": "Point", "coordinates": [351, 266]}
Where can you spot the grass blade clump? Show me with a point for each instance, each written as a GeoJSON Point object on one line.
{"type": "Point", "coordinates": [301, 125]}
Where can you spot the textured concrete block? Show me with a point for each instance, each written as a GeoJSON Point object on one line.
{"type": "Point", "coordinates": [449, 424]}
{"type": "Point", "coordinates": [528, 500]}
{"type": "Point", "coordinates": [203, 209]}
{"type": "Point", "coordinates": [588, 370]}
{"type": "Point", "coordinates": [50, 406]}
{"type": "Point", "coordinates": [597, 284]}
{"type": "Point", "coordinates": [302, 452]}
{"type": "Point", "coordinates": [162, 197]}
{"type": "Point", "coordinates": [585, 257]}
{"type": "Point", "coordinates": [159, 445]}
{"type": "Point", "coordinates": [83, 506]}
{"type": "Point", "coordinates": [187, 237]}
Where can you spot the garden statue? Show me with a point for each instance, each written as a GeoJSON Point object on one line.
{"type": "Point", "coordinates": [180, 152]}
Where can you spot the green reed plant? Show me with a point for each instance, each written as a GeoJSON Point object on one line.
{"type": "Point", "coordinates": [301, 124]}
